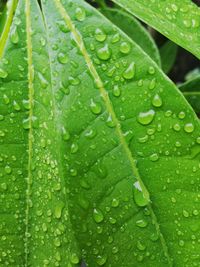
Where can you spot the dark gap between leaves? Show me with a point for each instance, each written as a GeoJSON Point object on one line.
{"type": "Point", "coordinates": [197, 2]}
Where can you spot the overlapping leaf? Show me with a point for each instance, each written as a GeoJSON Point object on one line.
{"type": "Point", "coordinates": [177, 20]}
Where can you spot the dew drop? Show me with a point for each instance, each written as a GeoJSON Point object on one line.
{"type": "Point", "coordinates": [141, 196]}
{"type": "Point", "coordinates": [80, 14]}
{"type": "Point", "coordinates": [189, 128]}
{"type": "Point", "coordinates": [141, 223]}
{"type": "Point", "coordinates": [157, 101]}
{"type": "Point", "coordinates": [129, 73]}
{"type": "Point", "coordinates": [100, 36]}
{"type": "Point", "coordinates": [154, 157]}
{"type": "Point", "coordinates": [125, 47]}
{"type": "Point", "coordinates": [3, 74]}
{"type": "Point", "coordinates": [101, 260]}
{"type": "Point", "coordinates": [98, 215]}
{"type": "Point", "coordinates": [95, 107]}
{"type": "Point", "coordinates": [104, 53]}
{"type": "Point", "coordinates": [74, 258]}
{"type": "Point", "coordinates": [8, 169]}
{"type": "Point", "coordinates": [14, 37]}
{"type": "Point", "coordinates": [116, 91]}
{"type": "Point", "coordinates": [146, 118]}
{"type": "Point", "coordinates": [62, 58]}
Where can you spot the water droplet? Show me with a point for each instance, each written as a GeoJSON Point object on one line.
{"type": "Point", "coordinates": [157, 101]}
{"type": "Point", "coordinates": [65, 134]}
{"type": "Point", "coordinates": [98, 215]}
{"type": "Point", "coordinates": [185, 214]}
{"type": "Point", "coordinates": [104, 53]}
{"type": "Point", "coordinates": [95, 107]}
{"type": "Point", "coordinates": [74, 148]}
{"type": "Point", "coordinates": [62, 58]}
{"type": "Point", "coordinates": [141, 223]}
{"type": "Point", "coordinates": [154, 157]}
{"type": "Point", "coordinates": [189, 128]}
{"type": "Point", "coordinates": [146, 118]}
{"type": "Point", "coordinates": [140, 246]}
{"type": "Point", "coordinates": [100, 35]}
{"type": "Point", "coordinates": [74, 258]}
{"type": "Point", "coordinates": [176, 127]}
{"type": "Point", "coordinates": [125, 47]}
{"type": "Point", "coordinates": [115, 202]}
{"type": "Point", "coordinates": [140, 194]}
{"type": "Point", "coordinates": [8, 169]}
{"type": "Point", "coordinates": [16, 106]}
{"type": "Point", "coordinates": [80, 14]}
{"type": "Point", "coordinates": [101, 260]}
{"type": "Point", "coordinates": [3, 73]}
{"type": "Point", "coordinates": [14, 37]}
{"type": "Point", "coordinates": [181, 115]}
{"type": "Point", "coordinates": [116, 91]}
{"type": "Point", "coordinates": [129, 73]}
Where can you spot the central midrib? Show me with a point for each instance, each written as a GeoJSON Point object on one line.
{"type": "Point", "coordinates": [108, 104]}
{"type": "Point", "coordinates": [30, 134]}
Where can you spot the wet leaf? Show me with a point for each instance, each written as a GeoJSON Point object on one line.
{"type": "Point", "coordinates": [135, 30]}
{"type": "Point", "coordinates": [177, 20]}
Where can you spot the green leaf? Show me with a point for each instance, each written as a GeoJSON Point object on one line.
{"type": "Point", "coordinates": [131, 145]}
{"type": "Point", "coordinates": [177, 20]}
{"type": "Point", "coordinates": [133, 28]}
{"type": "Point", "coordinates": [191, 90]}
{"type": "Point", "coordinates": [5, 22]}
{"type": "Point", "coordinates": [35, 228]}
{"type": "Point", "coordinates": [168, 53]}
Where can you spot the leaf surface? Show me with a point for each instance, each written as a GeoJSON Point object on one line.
{"type": "Point", "coordinates": [34, 228]}
{"type": "Point", "coordinates": [131, 142]}
{"type": "Point", "coordinates": [168, 53]}
{"type": "Point", "coordinates": [177, 20]}
{"type": "Point", "coordinates": [133, 28]}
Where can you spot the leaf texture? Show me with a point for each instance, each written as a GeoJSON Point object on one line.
{"type": "Point", "coordinates": [129, 136]}
{"type": "Point", "coordinates": [177, 20]}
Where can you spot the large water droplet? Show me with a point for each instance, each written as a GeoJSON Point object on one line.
{"type": "Point", "coordinates": [95, 107]}
{"type": "Point", "coordinates": [100, 35]}
{"type": "Point", "coordinates": [80, 14]}
{"type": "Point", "coordinates": [140, 194]}
{"type": "Point", "coordinates": [129, 73]}
{"type": "Point", "coordinates": [146, 118]}
{"type": "Point", "coordinates": [98, 215]}
{"type": "Point", "coordinates": [104, 53]}
{"type": "Point", "coordinates": [125, 47]}
{"type": "Point", "coordinates": [157, 101]}
{"type": "Point", "coordinates": [189, 128]}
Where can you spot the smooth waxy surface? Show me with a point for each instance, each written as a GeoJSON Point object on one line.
{"type": "Point", "coordinates": [34, 225]}
{"type": "Point", "coordinates": [178, 20]}
{"type": "Point", "coordinates": [95, 141]}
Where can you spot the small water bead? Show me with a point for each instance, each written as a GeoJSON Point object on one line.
{"type": "Point", "coordinates": [110, 122]}
{"type": "Point", "coordinates": [185, 214]}
{"type": "Point", "coordinates": [140, 246]}
{"type": "Point", "coordinates": [80, 14]}
{"type": "Point", "coordinates": [101, 260]}
{"type": "Point", "coordinates": [115, 202]}
{"type": "Point", "coordinates": [181, 243]}
{"type": "Point", "coordinates": [91, 133]}
{"type": "Point", "coordinates": [115, 250]}
{"type": "Point", "coordinates": [176, 127]}
{"type": "Point", "coordinates": [104, 53]}
{"type": "Point", "coordinates": [62, 26]}
{"type": "Point", "coordinates": [146, 118]}
{"type": "Point", "coordinates": [140, 194]}
{"type": "Point", "coordinates": [154, 157]}
{"type": "Point", "coordinates": [125, 48]}
{"type": "Point", "coordinates": [100, 36]}
{"type": "Point", "coordinates": [95, 107]}
{"type": "Point", "coordinates": [16, 106]}
{"type": "Point", "coordinates": [74, 148]}
{"type": "Point", "coordinates": [181, 115]}
{"type": "Point", "coordinates": [8, 169]}
{"type": "Point", "coordinates": [62, 58]}
{"type": "Point", "coordinates": [129, 73]}
{"type": "Point", "coordinates": [14, 37]}
{"type": "Point", "coordinates": [157, 101]}
{"type": "Point", "coordinates": [116, 91]}
{"type": "Point", "coordinates": [197, 140]}
{"type": "Point", "coordinates": [26, 104]}
{"type": "Point", "coordinates": [152, 84]}
{"type": "Point", "coordinates": [116, 38]}
{"type": "Point", "coordinates": [98, 215]}
{"type": "Point", "coordinates": [65, 134]}
{"type": "Point", "coordinates": [74, 258]}
{"type": "Point", "coordinates": [3, 73]}
{"type": "Point", "coordinates": [151, 70]}
{"type": "Point", "coordinates": [141, 223]}
{"type": "Point", "coordinates": [189, 127]}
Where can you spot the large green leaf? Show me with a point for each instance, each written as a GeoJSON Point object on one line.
{"type": "Point", "coordinates": [131, 142]}
{"type": "Point", "coordinates": [177, 20]}
{"type": "Point", "coordinates": [34, 227]}
{"type": "Point", "coordinates": [133, 28]}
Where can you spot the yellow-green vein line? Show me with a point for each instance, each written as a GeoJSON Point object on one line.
{"type": "Point", "coordinates": [108, 104]}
